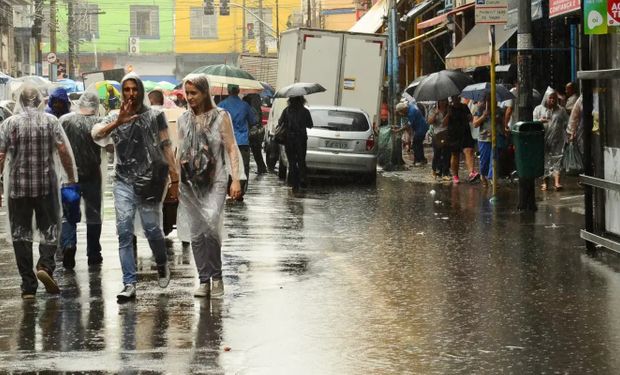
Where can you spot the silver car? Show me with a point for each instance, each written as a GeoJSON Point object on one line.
{"type": "Point", "coordinates": [342, 141]}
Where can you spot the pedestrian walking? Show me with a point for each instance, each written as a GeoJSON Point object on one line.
{"type": "Point", "coordinates": [31, 140]}
{"type": "Point", "coordinates": [460, 140]}
{"type": "Point", "coordinates": [571, 96]}
{"type": "Point", "coordinates": [574, 129]}
{"type": "Point", "coordinates": [257, 133]}
{"type": "Point", "coordinates": [242, 117]}
{"type": "Point", "coordinates": [296, 118]}
{"type": "Point", "coordinates": [441, 149]}
{"type": "Point", "coordinates": [78, 127]}
{"type": "Point", "coordinates": [482, 121]}
{"type": "Point", "coordinates": [144, 159]}
{"type": "Point", "coordinates": [554, 119]}
{"type": "Point", "coordinates": [208, 156]}
{"type": "Point", "coordinates": [58, 103]}
{"type": "Point", "coordinates": [419, 127]}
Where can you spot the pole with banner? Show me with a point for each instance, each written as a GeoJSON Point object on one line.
{"type": "Point", "coordinates": [492, 13]}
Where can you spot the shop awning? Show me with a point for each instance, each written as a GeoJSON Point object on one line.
{"type": "Point", "coordinates": [429, 35]}
{"type": "Point", "coordinates": [372, 21]}
{"type": "Point", "coordinates": [443, 17]}
{"type": "Point", "coordinates": [473, 50]}
{"type": "Point", "coordinates": [419, 9]}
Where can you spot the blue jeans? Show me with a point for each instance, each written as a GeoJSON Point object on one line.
{"type": "Point", "coordinates": [126, 203]}
{"type": "Point", "coordinates": [486, 166]}
{"type": "Point", "coordinates": [91, 194]}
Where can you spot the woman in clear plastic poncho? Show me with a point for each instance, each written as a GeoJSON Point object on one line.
{"type": "Point", "coordinates": [206, 133]}
{"type": "Point", "coordinates": [35, 146]}
{"type": "Point", "coordinates": [554, 118]}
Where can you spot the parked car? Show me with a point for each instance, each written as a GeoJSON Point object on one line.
{"type": "Point", "coordinates": [342, 141]}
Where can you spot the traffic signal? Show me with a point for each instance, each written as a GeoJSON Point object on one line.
{"type": "Point", "coordinates": [224, 8]}
{"type": "Point", "coordinates": [209, 8]}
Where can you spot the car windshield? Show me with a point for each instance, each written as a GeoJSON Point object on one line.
{"type": "Point", "coordinates": [339, 120]}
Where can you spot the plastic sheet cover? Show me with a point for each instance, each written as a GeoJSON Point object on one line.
{"type": "Point", "coordinates": [555, 120]}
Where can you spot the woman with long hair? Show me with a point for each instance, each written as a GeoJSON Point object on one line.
{"type": "Point", "coordinates": [297, 119]}
{"type": "Point", "coordinates": [207, 155]}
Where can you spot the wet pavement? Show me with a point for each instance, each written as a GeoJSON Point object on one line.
{"type": "Point", "coordinates": [343, 279]}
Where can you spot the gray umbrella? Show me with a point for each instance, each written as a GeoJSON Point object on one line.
{"type": "Point", "coordinates": [409, 90]}
{"type": "Point", "coordinates": [441, 85]}
{"type": "Point", "coordinates": [478, 91]}
{"type": "Point", "coordinates": [299, 89]}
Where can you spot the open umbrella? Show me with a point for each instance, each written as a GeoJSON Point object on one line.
{"type": "Point", "coordinates": [165, 85]}
{"type": "Point", "coordinates": [101, 88]}
{"type": "Point", "coordinates": [222, 75]}
{"type": "Point", "coordinates": [478, 91]}
{"type": "Point", "coordinates": [409, 90]}
{"type": "Point", "coordinates": [441, 85]}
{"type": "Point", "coordinates": [298, 89]}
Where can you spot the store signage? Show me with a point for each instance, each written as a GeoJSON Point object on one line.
{"type": "Point", "coordinates": [595, 20]}
{"type": "Point", "coordinates": [491, 12]}
{"type": "Point", "coordinates": [559, 7]}
{"type": "Point", "coordinates": [613, 12]}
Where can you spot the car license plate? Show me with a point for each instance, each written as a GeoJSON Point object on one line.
{"type": "Point", "coordinates": [336, 144]}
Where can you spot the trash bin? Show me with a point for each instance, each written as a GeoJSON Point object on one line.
{"type": "Point", "coordinates": [529, 140]}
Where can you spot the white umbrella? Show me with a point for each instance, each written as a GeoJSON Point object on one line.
{"type": "Point", "coordinates": [299, 89]}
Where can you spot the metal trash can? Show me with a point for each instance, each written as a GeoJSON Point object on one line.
{"type": "Point", "coordinates": [529, 140]}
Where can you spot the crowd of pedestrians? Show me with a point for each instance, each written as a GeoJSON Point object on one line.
{"type": "Point", "coordinates": [457, 126]}
{"type": "Point", "coordinates": [48, 152]}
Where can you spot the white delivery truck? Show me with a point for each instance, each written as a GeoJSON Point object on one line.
{"type": "Point", "coordinates": [351, 67]}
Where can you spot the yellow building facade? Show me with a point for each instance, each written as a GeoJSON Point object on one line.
{"type": "Point", "coordinates": [238, 32]}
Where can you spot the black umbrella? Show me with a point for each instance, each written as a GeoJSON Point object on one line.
{"type": "Point", "coordinates": [409, 90]}
{"type": "Point", "coordinates": [298, 89]}
{"type": "Point", "coordinates": [441, 85]}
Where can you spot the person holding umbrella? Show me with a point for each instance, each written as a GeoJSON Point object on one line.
{"type": "Point", "coordinates": [296, 118]}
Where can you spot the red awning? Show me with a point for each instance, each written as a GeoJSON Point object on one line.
{"type": "Point", "coordinates": [439, 19]}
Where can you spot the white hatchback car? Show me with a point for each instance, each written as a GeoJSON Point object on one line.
{"type": "Point", "coordinates": [342, 141]}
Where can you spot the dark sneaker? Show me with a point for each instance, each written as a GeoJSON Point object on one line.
{"type": "Point", "coordinates": [48, 281]}
{"type": "Point", "coordinates": [128, 293]}
{"type": "Point", "coordinates": [95, 260]}
{"type": "Point", "coordinates": [28, 295]}
{"type": "Point", "coordinates": [68, 258]}
{"type": "Point", "coordinates": [217, 289]}
{"type": "Point", "coordinates": [163, 273]}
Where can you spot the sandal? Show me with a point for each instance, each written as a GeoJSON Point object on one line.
{"type": "Point", "coordinates": [558, 187]}
{"type": "Point", "coordinates": [543, 187]}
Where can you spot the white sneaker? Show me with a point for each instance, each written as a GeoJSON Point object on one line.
{"type": "Point", "coordinates": [128, 292]}
{"type": "Point", "coordinates": [163, 274]}
{"type": "Point", "coordinates": [203, 290]}
{"type": "Point", "coordinates": [217, 289]}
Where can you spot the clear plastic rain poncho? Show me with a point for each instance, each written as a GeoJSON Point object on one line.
{"type": "Point", "coordinates": [201, 204]}
{"type": "Point", "coordinates": [89, 156]}
{"type": "Point", "coordinates": [38, 156]}
{"type": "Point", "coordinates": [555, 119]}
{"type": "Point", "coordinates": [139, 155]}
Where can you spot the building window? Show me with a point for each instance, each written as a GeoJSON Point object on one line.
{"type": "Point", "coordinates": [144, 21]}
{"type": "Point", "coordinates": [87, 20]}
{"type": "Point", "coordinates": [202, 26]}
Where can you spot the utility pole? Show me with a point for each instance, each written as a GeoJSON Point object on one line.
{"type": "Point", "coordinates": [278, 24]}
{"type": "Point", "coordinates": [36, 34]}
{"type": "Point", "coordinates": [73, 31]}
{"type": "Point", "coordinates": [527, 190]}
{"type": "Point", "coordinates": [244, 35]}
{"type": "Point", "coordinates": [53, 24]}
{"type": "Point", "coordinates": [309, 20]}
{"type": "Point", "coordinates": [261, 30]}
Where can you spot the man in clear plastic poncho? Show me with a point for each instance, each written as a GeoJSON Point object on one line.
{"type": "Point", "coordinates": [208, 156]}
{"type": "Point", "coordinates": [554, 118]}
{"type": "Point", "coordinates": [144, 159]}
{"type": "Point", "coordinates": [35, 145]}
{"type": "Point", "coordinates": [78, 127]}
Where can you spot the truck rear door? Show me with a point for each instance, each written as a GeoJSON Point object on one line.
{"type": "Point", "coordinates": [362, 73]}
{"type": "Point", "coordinates": [320, 63]}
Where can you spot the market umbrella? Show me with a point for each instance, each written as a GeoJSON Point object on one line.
{"type": "Point", "coordinates": [222, 75]}
{"type": "Point", "coordinates": [478, 91]}
{"type": "Point", "coordinates": [149, 85]}
{"type": "Point", "coordinates": [299, 89]}
{"type": "Point", "coordinates": [441, 85]}
{"type": "Point", "coordinates": [165, 85]}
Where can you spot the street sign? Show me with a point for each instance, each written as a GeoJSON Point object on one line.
{"type": "Point", "coordinates": [613, 13]}
{"type": "Point", "coordinates": [559, 7]}
{"type": "Point", "coordinates": [51, 57]}
{"type": "Point", "coordinates": [491, 12]}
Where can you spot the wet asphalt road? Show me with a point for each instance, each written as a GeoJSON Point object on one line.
{"type": "Point", "coordinates": [344, 279]}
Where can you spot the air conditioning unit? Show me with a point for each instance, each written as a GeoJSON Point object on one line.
{"type": "Point", "coordinates": [134, 45]}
